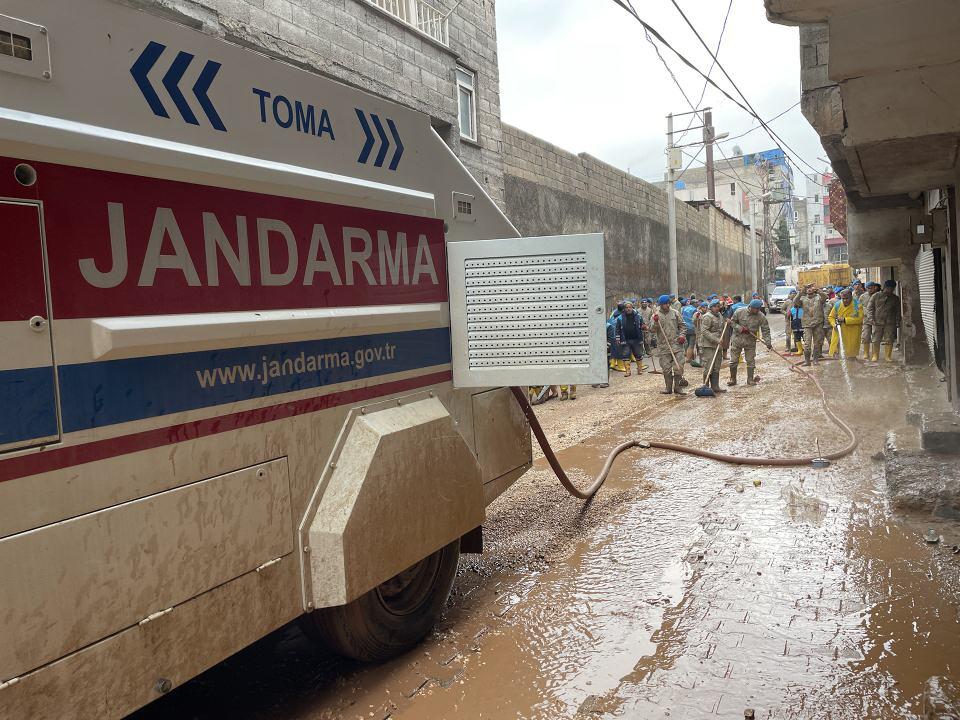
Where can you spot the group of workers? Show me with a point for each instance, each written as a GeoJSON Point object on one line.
{"type": "Point", "coordinates": [862, 317]}
{"type": "Point", "coordinates": [674, 331]}
{"type": "Point", "coordinates": [678, 331]}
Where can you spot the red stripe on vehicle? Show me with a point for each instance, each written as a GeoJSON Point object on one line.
{"type": "Point", "coordinates": [62, 457]}
{"type": "Point", "coordinates": [121, 244]}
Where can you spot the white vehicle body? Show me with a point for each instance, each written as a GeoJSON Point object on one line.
{"type": "Point", "coordinates": [779, 296]}
{"type": "Point", "coordinates": [225, 360]}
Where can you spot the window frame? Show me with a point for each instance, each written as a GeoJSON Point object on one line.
{"type": "Point", "coordinates": [472, 90]}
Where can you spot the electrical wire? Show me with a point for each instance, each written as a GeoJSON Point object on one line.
{"type": "Point", "coordinates": [773, 136]}
{"type": "Point", "coordinates": [758, 127]}
{"type": "Point", "coordinates": [627, 7]}
{"type": "Point", "coordinates": [703, 92]}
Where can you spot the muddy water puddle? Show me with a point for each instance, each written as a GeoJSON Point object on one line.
{"type": "Point", "coordinates": [687, 589]}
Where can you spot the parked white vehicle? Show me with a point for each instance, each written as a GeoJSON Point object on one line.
{"type": "Point", "coordinates": [779, 296]}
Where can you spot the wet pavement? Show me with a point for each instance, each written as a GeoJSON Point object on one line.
{"type": "Point", "coordinates": [686, 589]}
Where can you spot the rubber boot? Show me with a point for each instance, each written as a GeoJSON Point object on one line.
{"type": "Point", "coordinates": [677, 388]}
{"type": "Point", "coordinates": [750, 380]}
{"type": "Point", "coordinates": [715, 382]}
{"type": "Point", "coordinates": [888, 352]}
{"type": "Point", "coordinates": [799, 348]}
{"type": "Point", "coordinates": [563, 392]}
{"type": "Point", "coordinates": [573, 392]}
{"type": "Point", "coordinates": [733, 375]}
{"type": "Point", "coordinates": [866, 352]}
{"type": "Point", "coordinates": [875, 353]}
{"type": "Point", "coordinates": [668, 382]}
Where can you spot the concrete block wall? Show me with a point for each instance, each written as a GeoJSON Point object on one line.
{"type": "Point", "coordinates": [356, 43]}
{"type": "Point", "coordinates": [553, 192]}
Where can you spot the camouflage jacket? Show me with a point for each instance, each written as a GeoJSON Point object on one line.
{"type": "Point", "coordinates": [743, 319]}
{"type": "Point", "coordinates": [812, 307]}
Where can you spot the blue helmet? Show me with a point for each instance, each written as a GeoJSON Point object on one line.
{"type": "Point", "coordinates": [756, 303]}
{"type": "Point", "coordinates": [890, 283]}
{"type": "Point", "coordinates": [663, 300]}
{"type": "Point", "coordinates": [713, 302]}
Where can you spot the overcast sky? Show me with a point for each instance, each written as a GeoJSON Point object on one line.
{"type": "Point", "coordinates": [581, 74]}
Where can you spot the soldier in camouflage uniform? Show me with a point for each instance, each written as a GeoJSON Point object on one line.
{"type": "Point", "coordinates": [811, 302]}
{"type": "Point", "coordinates": [866, 307]}
{"type": "Point", "coordinates": [671, 334]}
{"type": "Point", "coordinates": [712, 325]}
{"type": "Point", "coordinates": [886, 319]}
{"type": "Point", "coordinates": [746, 323]}
{"type": "Point", "coordinates": [646, 312]}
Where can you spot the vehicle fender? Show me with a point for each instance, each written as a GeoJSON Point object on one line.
{"type": "Point", "coordinates": [403, 485]}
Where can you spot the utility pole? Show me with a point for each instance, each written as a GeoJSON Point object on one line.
{"type": "Point", "coordinates": [753, 247]}
{"type": "Point", "coordinates": [709, 136]}
{"type": "Point", "coordinates": [765, 279]}
{"type": "Point", "coordinates": [672, 209]}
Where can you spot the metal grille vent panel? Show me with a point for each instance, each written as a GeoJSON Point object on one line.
{"type": "Point", "coordinates": [514, 289]}
{"type": "Point", "coordinates": [533, 312]}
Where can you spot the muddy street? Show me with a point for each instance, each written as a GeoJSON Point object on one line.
{"type": "Point", "coordinates": [686, 588]}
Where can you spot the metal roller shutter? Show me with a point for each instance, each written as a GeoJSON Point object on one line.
{"type": "Point", "coordinates": [926, 275]}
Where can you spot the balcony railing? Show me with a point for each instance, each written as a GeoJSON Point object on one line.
{"type": "Point", "coordinates": [419, 14]}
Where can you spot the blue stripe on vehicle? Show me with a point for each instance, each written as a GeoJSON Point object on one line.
{"type": "Point", "coordinates": [115, 391]}
{"type": "Point", "coordinates": [28, 407]}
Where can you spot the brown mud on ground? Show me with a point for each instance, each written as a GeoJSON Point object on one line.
{"type": "Point", "coordinates": [685, 589]}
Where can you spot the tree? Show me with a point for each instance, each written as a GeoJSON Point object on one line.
{"type": "Point", "coordinates": [782, 239]}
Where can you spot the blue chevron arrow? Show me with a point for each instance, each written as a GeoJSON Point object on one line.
{"type": "Point", "coordinates": [368, 145]}
{"type": "Point", "coordinates": [171, 82]}
{"type": "Point", "coordinates": [396, 139]}
{"type": "Point", "coordinates": [384, 142]}
{"type": "Point", "coordinates": [200, 88]}
{"type": "Point", "coordinates": [148, 58]}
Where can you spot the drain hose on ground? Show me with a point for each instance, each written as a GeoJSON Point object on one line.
{"type": "Point", "coordinates": [590, 491]}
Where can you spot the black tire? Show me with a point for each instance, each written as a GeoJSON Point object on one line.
{"type": "Point", "coordinates": [394, 616]}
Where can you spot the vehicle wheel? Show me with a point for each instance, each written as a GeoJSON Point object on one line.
{"type": "Point", "coordinates": [394, 616]}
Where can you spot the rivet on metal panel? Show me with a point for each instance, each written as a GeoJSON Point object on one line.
{"type": "Point", "coordinates": [46, 74]}
{"type": "Point", "coordinates": [163, 686]}
{"type": "Point", "coordinates": [309, 606]}
{"type": "Point", "coordinates": [306, 549]}
{"type": "Point", "coordinates": [260, 472]}
{"type": "Point", "coordinates": [431, 393]}
{"type": "Point", "coordinates": [43, 31]}
{"type": "Point", "coordinates": [363, 411]}
{"type": "Point", "coordinates": [399, 402]}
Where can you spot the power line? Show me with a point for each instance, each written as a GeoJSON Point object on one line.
{"type": "Point", "coordinates": [693, 159]}
{"type": "Point", "coordinates": [773, 136]}
{"type": "Point", "coordinates": [703, 92]}
{"type": "Point", "coordinates": [758, 127]}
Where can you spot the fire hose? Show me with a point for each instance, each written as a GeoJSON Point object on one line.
{"type": "Point", "coordinates": [591, 490]}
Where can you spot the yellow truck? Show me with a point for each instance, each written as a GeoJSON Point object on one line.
{"type": "Point", "coordinates": [828, 274]}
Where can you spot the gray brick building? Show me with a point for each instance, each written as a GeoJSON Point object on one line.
{"type": "Point", "coordinates": [438, 57]}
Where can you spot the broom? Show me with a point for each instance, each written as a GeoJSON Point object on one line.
{"type": "Point", "coordinates": [705, 390]}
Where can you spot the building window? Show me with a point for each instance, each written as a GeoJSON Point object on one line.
{"type": "Point", "coordinates": [467, 99]}
{"type": "Point", "coordinates": [816, 219]}
{"type": "Point", "coordinates": [419, 14]}
{"type": "Point", "coordinates": [733, 188]}
{"type": "Point", "coordinates": [818, 239]}
{"type": "Point", "coordinates": [15, 45]}
{"type": "Point", "coordinates": [796, 215]}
